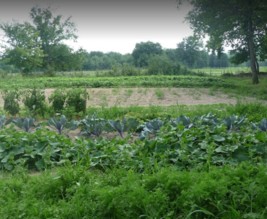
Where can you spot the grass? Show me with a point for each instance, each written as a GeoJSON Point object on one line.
{"type": "Point", "coordinates": [227, 70]}
{"type": "Point", "coordinates": [244, 87]}
{"type": "Point", "coordinates": [128, 93]}
{"type": "Point", "coordinates": [159, 94]}
{"type": "Point", "coordinates": [254, 112]}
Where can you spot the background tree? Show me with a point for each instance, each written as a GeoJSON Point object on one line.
{"type": "Point", "coordinates": [162, 65]}
{"type": "Point", "coordinates": [39, 45]}
{"type": "Point", "coordinates": [22, 46]}
{"type": "Point", "coordinates": [52, 30]}
{"type": "Point", "coordinates": [144, 51]}
{"type": "Point", "coordinates": [65, 59]}
{"type": "Point", "coordinates": [96, 60]}
{"type": "Point", "coordinates": [188, 51]}
{"type": "Point", "coordinates": [238, 23]}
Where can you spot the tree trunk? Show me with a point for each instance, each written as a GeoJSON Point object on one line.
{"type": "Point", "coordinates": [252, 51]}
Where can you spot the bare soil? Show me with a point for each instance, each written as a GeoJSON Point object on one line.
{"type": "Point", "coordinates": [107, 97]}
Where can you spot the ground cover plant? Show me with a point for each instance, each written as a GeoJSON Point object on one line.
{"type": "Point", "coordinates": [76, 192]}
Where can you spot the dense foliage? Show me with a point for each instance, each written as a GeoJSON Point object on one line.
{"type": "Point", "coordinates": [76, 192]}
{"type": "Point", "coordinates": [184, 167]}
{"type": "Point", "coordinates": [122, 81]}
{"type": "Point", "coordinates": [39, 45]}
{"type": "Point", "coordinates": [183, 142]}
{"type": "Point", "coordinates": [243, 27]}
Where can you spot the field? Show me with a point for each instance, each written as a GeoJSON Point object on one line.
{"type": "Point", "coordinates": [185, 146]}
{"type": "Point", "coordinates": [228, 70]}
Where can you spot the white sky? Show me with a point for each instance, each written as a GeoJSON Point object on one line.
{"type": "Point", "coordinates": [112, 25]}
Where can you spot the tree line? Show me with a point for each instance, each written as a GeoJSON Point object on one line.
{"type": "Point", "coordinates": [39, 45]}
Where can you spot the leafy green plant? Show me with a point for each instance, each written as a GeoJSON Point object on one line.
{"type": "Point", "coordinates": [34, 101]}
{"type": "Point", "coordinates": [263, 125]}
{"type": "Point", "coordinates": [11, 101]}
{"type": "Point", "coordinates": [34, 150]}
{"type": "Point", "coordinates": [61, 123]}
{"type": "Point", "coordinates": [92, 125]}
{"type": "Point", "coordinates": [151, 127]}
{"type": "Point", "coordinates": [123, 125]}
{"type": "Point", "coordinates": [119, 126]}
{"type": "Point", "coordinates": [234, 122]}
{"type": "Point", "coordinates": [76, 99]}
{"type": "Point", "coordinates": [4, 121]}
{"type": "Point", "coordinates": [184, 120]}
{"type": "Point", "coordinates": [26, 124]}
{"type": "Point", "coordinates": [58, 100]}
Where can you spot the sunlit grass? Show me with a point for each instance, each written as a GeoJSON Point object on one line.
{"type": "Point", "coordinates": [228, 70]}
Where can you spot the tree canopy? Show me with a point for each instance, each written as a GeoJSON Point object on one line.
{"type": "Point", "coordinates": [144, 51]}
{"type": "Point", "coordinates": [52, 30]}
{"type": "Point", "coordinates": [240, 24]}
{"type": "Point", "coordinates": [23, 47]}
{"type": "Point", "coordinates": [30, 46]}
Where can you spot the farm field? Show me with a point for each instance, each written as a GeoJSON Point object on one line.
{"type": "Point", "coordinates": [227, 70]}
{"type": "Point", "coordinates": [145, 147]}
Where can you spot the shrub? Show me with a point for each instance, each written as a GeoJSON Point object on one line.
{"type": "Point", "coordinates": [76, 99]}
{"type": "Point", "coordinates": [11, 101]}
{"type": "Point", "coordinates": [58, 100]}
{"type": "Point", "coordinates": [124, 70]}
{"type": "Point", "coordinates": [161, 65]}
{"type": "Point", "coordinates": [34, 101]}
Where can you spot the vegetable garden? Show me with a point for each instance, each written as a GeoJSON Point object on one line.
{"type": "Point", "coordinates": [68, 161]}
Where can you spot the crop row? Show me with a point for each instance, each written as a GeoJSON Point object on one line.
{"type": "Point", "coordinates": [183, 142]}
{"type": "Point", "coordinates": [143, 81]}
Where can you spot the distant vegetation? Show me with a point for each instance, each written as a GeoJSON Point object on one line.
{"type": "Point", "coordinates": [38, 47]}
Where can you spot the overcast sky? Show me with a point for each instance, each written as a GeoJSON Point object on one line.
{"type": "Point", "coordinates": [112, 25]}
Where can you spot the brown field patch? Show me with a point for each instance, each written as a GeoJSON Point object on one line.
{"type": "Point", "coordinates": [123, 97]}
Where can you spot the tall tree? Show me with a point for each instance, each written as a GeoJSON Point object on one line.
{"type": "Point", "coordinates": [238, 23]}
{"type": "Point", "coordinates": [30, 46]}
{"type": "Point", "coordinates": [22, 46]}
{"type": "Point", "coordinates": [144, 51]}
{"type": "Point", "coordinates": [188, 51]}
{"type": "Point", "coordinates": [52, 30]}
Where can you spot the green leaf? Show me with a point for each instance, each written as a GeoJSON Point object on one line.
{"type": "Point", "coordinates": [40, 164]}
{"type": "Point", "coordinates": [8, 166]}
{"type": "Point", "coordinates": [218, 138]}
{"type": "Point", "coordinates": [18, 151]}
{"type": "Point", "coordinates": [5, 159]}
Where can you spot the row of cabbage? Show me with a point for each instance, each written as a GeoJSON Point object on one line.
{"type": "Point", "coordinates": [185, 142]}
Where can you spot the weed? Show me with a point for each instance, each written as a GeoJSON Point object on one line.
{"type": "Point", "coordinates": [159, 93]}
{"type": "Point", "coordinates": [128, 93]}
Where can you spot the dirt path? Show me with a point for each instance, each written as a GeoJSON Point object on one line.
{"type": "Point", "coordinates": [108, 97]}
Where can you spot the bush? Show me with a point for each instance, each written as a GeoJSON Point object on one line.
{"type": "Point", "coordinates": [76, 99]}
{"type": "Point", "coordinates": [11, 101]}
{"type": "Point", "coordinates": [161, 65]}
{"type": "Point", "coordinates": [34, 101]}
{"type": "Point", "coordinates": [124, 70]}
{"type": "Point", "coordinates": [58, 100]}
